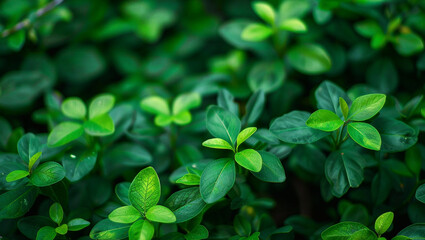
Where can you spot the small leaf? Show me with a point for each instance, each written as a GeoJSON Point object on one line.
{"type": "Point", "coordinates": [46, 233]}
{"type": "Point", "coordinates": [47, 174]}
{"type": "Point", "coordinates": [366, 106]}
{"type": "Point", "coordinates": [368, 28]}
{"type": "Point", "coordinates": [74, 107]}
{"type": "Point", "coordinates": [293, 25]}
{"type": "Point", "coordinates": [324, 120]}
{"type": "Point", "coordinates": [256, 32]}
{"type": "Point", "coordinates": [56, 213]}
{"type": "Point", "coordinates": [217, 143]}
{"type": "Point", "coordinates": [186, 102]}
{"type": "Point", "coordinates": [265, 11]}
{"type": "Point", "coordinates": [189, 179]}
{"type": "Point", "coordinates": [16, 40]}
{"type": "Point", "coordinates": [160, 214]}
{"type": "Point", "coordinates": [28, 146]}
{"type": "Point", "coordinates": [182, 118]}
{"type": "Point", "coordinates": [101, 125]}
{"type": "Point", "coordinates": [16, 175]}
{"type": "Point", "coordinates": [155, 105]}
{"type": "Point", "coordinates": [145, 190]}
{"type": "Point", "coordinates": [344, 107]}
{"type": "Point", "coordinates": [33, 160]}
{"type": "Point", "coordinates": [141, 230]}
{"type": "Point", "coordinates": [383, 222]}
{"type": "Point", "coordinates": [62, 230]}
{"type": "Point", "coordinates": [249, 159]}
{"type": "Point", "coordinates": [126, 214]}
{"type": "Point", "coordinates": [271, 169]}
{"type": "Point", "coordinates": [101, 105]}
{"type": "Point", "coordinates": [217, 179]}
{"type": "Point", "coordinates": [64, 133]}
{"type": "Point", "coordinates": [365, 135]}
{"type": "Point", "coordinates": [244, 135]}
{"type": "Point", "coordinates": [77, 224]}
{"type": "Point", "coordinates": [163, 120]}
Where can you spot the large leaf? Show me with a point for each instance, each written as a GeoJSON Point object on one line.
{"type": "Point", "coordinates": [186, 204]}
{"type": "Point", "coordinates": [396, 135]}
{"type": "Point", "coordinates": [348, 230]}
{"type": "Point", "coordinates": [272, 169]}
{"type": "Point", "coordinates": [365, 135]}
{"type": "Point", "coordinates": [64, 133]}
{"type": "Point", "coordinates": [78, 164]}
{"type": "Point", "coordinates": [223, 124]}
{"type": "Point", "coordinates": [108, 230]}
{"type": "Point", "coordinates": [366, 106]}
{"type": "Point", "coordinates": [28, 146]}
{"type": "Point", "coordinates": [145, 190]}
{"type": "Point", "coordinates": [292, 128]}
{"type": "Point", "coordinates": [47, 174]}
{"type": "Point", "coordinates": [327, 97]}
{"type": "Point", "coordinates": [309, 59]}
{"type": "Point", "coordinates": [16, 203]}
{"type": "Point", "coordinates": [217, 179]}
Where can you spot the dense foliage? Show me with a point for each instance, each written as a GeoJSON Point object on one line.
{"type": "Point", "coordinates": [280, 119]}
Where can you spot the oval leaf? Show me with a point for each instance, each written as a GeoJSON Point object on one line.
{"type": "Point", "coordinates": [217, 179]}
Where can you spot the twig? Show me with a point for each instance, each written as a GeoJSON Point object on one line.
{"type": "Point", "coordinates": [27, 22]}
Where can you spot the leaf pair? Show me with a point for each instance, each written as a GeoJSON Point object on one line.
{"type": "Point", "coordinates": [180, 113]}
{"type": "Point", "coordinates": [56, 214]}
{"type": "Point", "coordinates": [97, 123]}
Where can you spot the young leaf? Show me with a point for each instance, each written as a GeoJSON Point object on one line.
{"type": "Point", "coordinates": [64, 133]}
{"type": "Point", "coordinates": [74, 107]}
{"type": "Point", "coordinates": [160, 214]}
{"type": "Point", "coordinates": [77, 224]}
{"type": "Point", "coordinates": [182, 118]}
{"type": "Point", "coordinates": [383, 222]}
{"type": "Point", "coordinates": [189, 179]}
{"type": "Point", "coordinates": [344, 107]}
{"type": "Point", "coordinates": [163, 120]}
{"type": "Point", "coordinates": [293, 25]}
{"type": "Point", "coordinates": [217, 179]}
{"type": "Point", "coordinates": [185, 102]}
{"type": "Point", "coordinates": [271, 170]}
{"type": "Point", "coordinates": [106, 229]}
{"type": "Point", "coordinates": [126, 214]}
{"type": "Point", "coordinates": [62, 229]}
{"type": "Point", "coordinates": [265, 11]}
{"type": "Point", "coordinates": [256, 32]}
{"type": "Point", "coordinates": [16, 175]}
{"type": "Point", "coordinates": [366, 106]}
{"type": "Point", "coordinates": [244, 135]}
{"type": "Point", "coordinates": [324, 120]}
{"type": "Point", "coordinates": [56, 213]}
{"type": "Point", "coordinates": [145, 190]}
{"type": "Point", "coordinates": [155, 105]}
{"type": "Point", "coordinates": [249, 159]}
{"type": "Point", "coordinates": [365, 135]}
{"type": "Point", "coordinates": [101, 105]}
{"type": "Point", "coordinates": [47, 174]}
{"type": "Point", "coordinates": [223, 124]}
{"type": "Point", "coordinates": [141, 229]}
{"type": "Point", "coordinates": [217, 143]}
{"type": "Point", "coordinates": [101, 125]}
{"type": "Point", "coordinates": [33, 160]}
{"type": "Point", "coordinates": [46, 233]}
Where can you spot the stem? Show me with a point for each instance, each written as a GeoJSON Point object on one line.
{"type": "Point", "coordinates": [28, 21]}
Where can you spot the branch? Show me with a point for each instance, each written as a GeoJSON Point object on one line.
{"type": "Point", "coordinates": [27, 22]}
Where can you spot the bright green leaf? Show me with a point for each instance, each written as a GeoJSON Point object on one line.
{"type": "Point", "coordinates": [383, 222]}
{"type": "Point", "coordinates": [256, 32]}
{"type": "Point", "coordinates": [62, 229]}
{"type": "Point", "coordinates": [145, 190]}
{"type": "Point", "coordinates": [324, 120]}
{"type": "Point", "coordinates": [16, 175]}
{"type": "Point", "coordinates": [74, 107]}
{"type": "Point", "coordinates": [47, 174]}
{"type": "Point", "coordinates": [155, 105]}
{"type": "Point", "coordinates": [77, 224]}
{"type": "Point", "coordinates": [46, 233]}
{"type": "Point", "coordinates": [217, 179]}
{"type": "Point", "coordinates": [126, 214]}
{"type": "Point", "coordinates": [217, 143]}
{"type": "Point", "coordinates": [244, 135]}
{"type": "Point", "coordinates": [365, 135]}
{"type": "Point", "coordinates": [189, 179]}
{"type": "Point", "coordinates": [141, 230]}
{"type": "Point", "coordinates": [249, 159]}
{"type": "Point", "coordinates": [101, 125]}
{"type": "Point", "coordinates": [64, 133]}
{"type": "Point", "coordinates": [366, 106]}
{"type": "Point", "coordinates": [56, 213]}
{"type": "Point", "coordinates": [101, 105]}
{"type": "Point", "coordinates": [160, 214]}
{"type": "Point", "coordinates": [265, 11]}
{"type": "Point", "coordinates": [293, 25]}
{"type": "Point", "coordinates": [186, 102]}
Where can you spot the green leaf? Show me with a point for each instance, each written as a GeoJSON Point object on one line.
{"type": "Point", "coordinates": [197, 233]}
{"type": "Point", "coordinates": [396, 135]}
{"type": "Point", "coordinates": [217, 143]}
{"type": "Point", "coordinates": [293, 25]}
{"type": "Point", "coordinates": [367, 28]}
{"type": "Point", "coordinates": [271, 170]}
{"type": "Point", "coordinates": [16, 40]}
{"type": "Point", "coordinates": [242, 226]}
{"type": "Point", "coordinates": [420, 193]}
{"type": "Point", "coordinates": [366, 106]}
{"type": "Point", "coordinates": [223, 124]}
{"type": "Point", "coordinates": [155, 105]}
{"type": "Point", "coordinates": [226, 100]}
{"type": "Point", "coordinates": [160, 214]}
{"type": "Point", "coordinates": [29, 226]}
{"type": "Point", "coordinates": [56, 213]}
{"type": "Point", "coordinates": [378, 41]}
{"type": "Point", "coordinates": [28, 146]}
{"type": "Point", "coordinates": [46, 233]}
{"type": "Point", "coordinates": [327, 97]}
{"type": "Point", "coordinates": [256, 32]}
{"type": "Point", "coordinates": [101, 105]}
{"type": "Point", "coordinates": [254, 107]}
{"type": "Point", "coordinates": [74, 107]}
{"type": "Point", "coordinates": [182, 118]}
{"type": "Point", "coordinates": [266, 76]}
{"type": "Point", "coordinates": [189, 179]}
{"type": "Point", "coordinates": [344, 107]}
{"type": "Point", "coordinates": [382, 75]}
{"type": "Point", "coordinates": [365, 135]}
{"type": "Point", "coordinates": [249, 159]}
{"type": "Point", "coordinates": [344, 169]}
{"type": "Point", "coordinates": [244, 135]}
{"type": "Point", "coordinates": [164, 120]}
{"type": "Point", "coordinates": [16, 175]}
{"type": "Point", "coordinates": [126, 214]}
{"type": "Point", "coordinates": [217, 179]}
{"type": "Point", "coordinates": [293, 9]}
{"type": "Point", "coordinates": [292, 128]}
{"type": "Point", "coordinates": [408, 44]}
{"type": "Point", "coordinates": [265, 11]}
{"type": "Point", "coordinates": [145, 190]}
{"type": "Point", "coordinates": [101, 125]}
{"type": "Point", "coordinates": [62, 230]}
{"type": "Point", "coordinates": [77, 224]}
{"type": "Point", "coordinates": [33, 160]}
{"type": "Point", "coordinates": [348, 230]}
{"type": "Point", "coordinates": [78, 164]}
{"type": "Point", "coordinates": [47, 174]}
{"type": "Point", "coordinates": [186, 204]}
{"type": "Point", "coordinates": [413, 232]}
{"type": "Point", "coordinates": [383, 222]}
{"type": "Point", "coordinates": [107, 230]}
{"type": "Point", "coordinates": [324, 120]}
{"type": "Point", "coordinates": [186, 102]}
{"type": "Point", "coordinates": [141, 230]}
{"type": "Point", "coordinates": [15, 203]}
{"type": "Point", "coordinates": [310, 59]}
{"type": "Point", "coordinates": [121, 190]}
{"type": "Point", "coordinates": [64, 133]}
